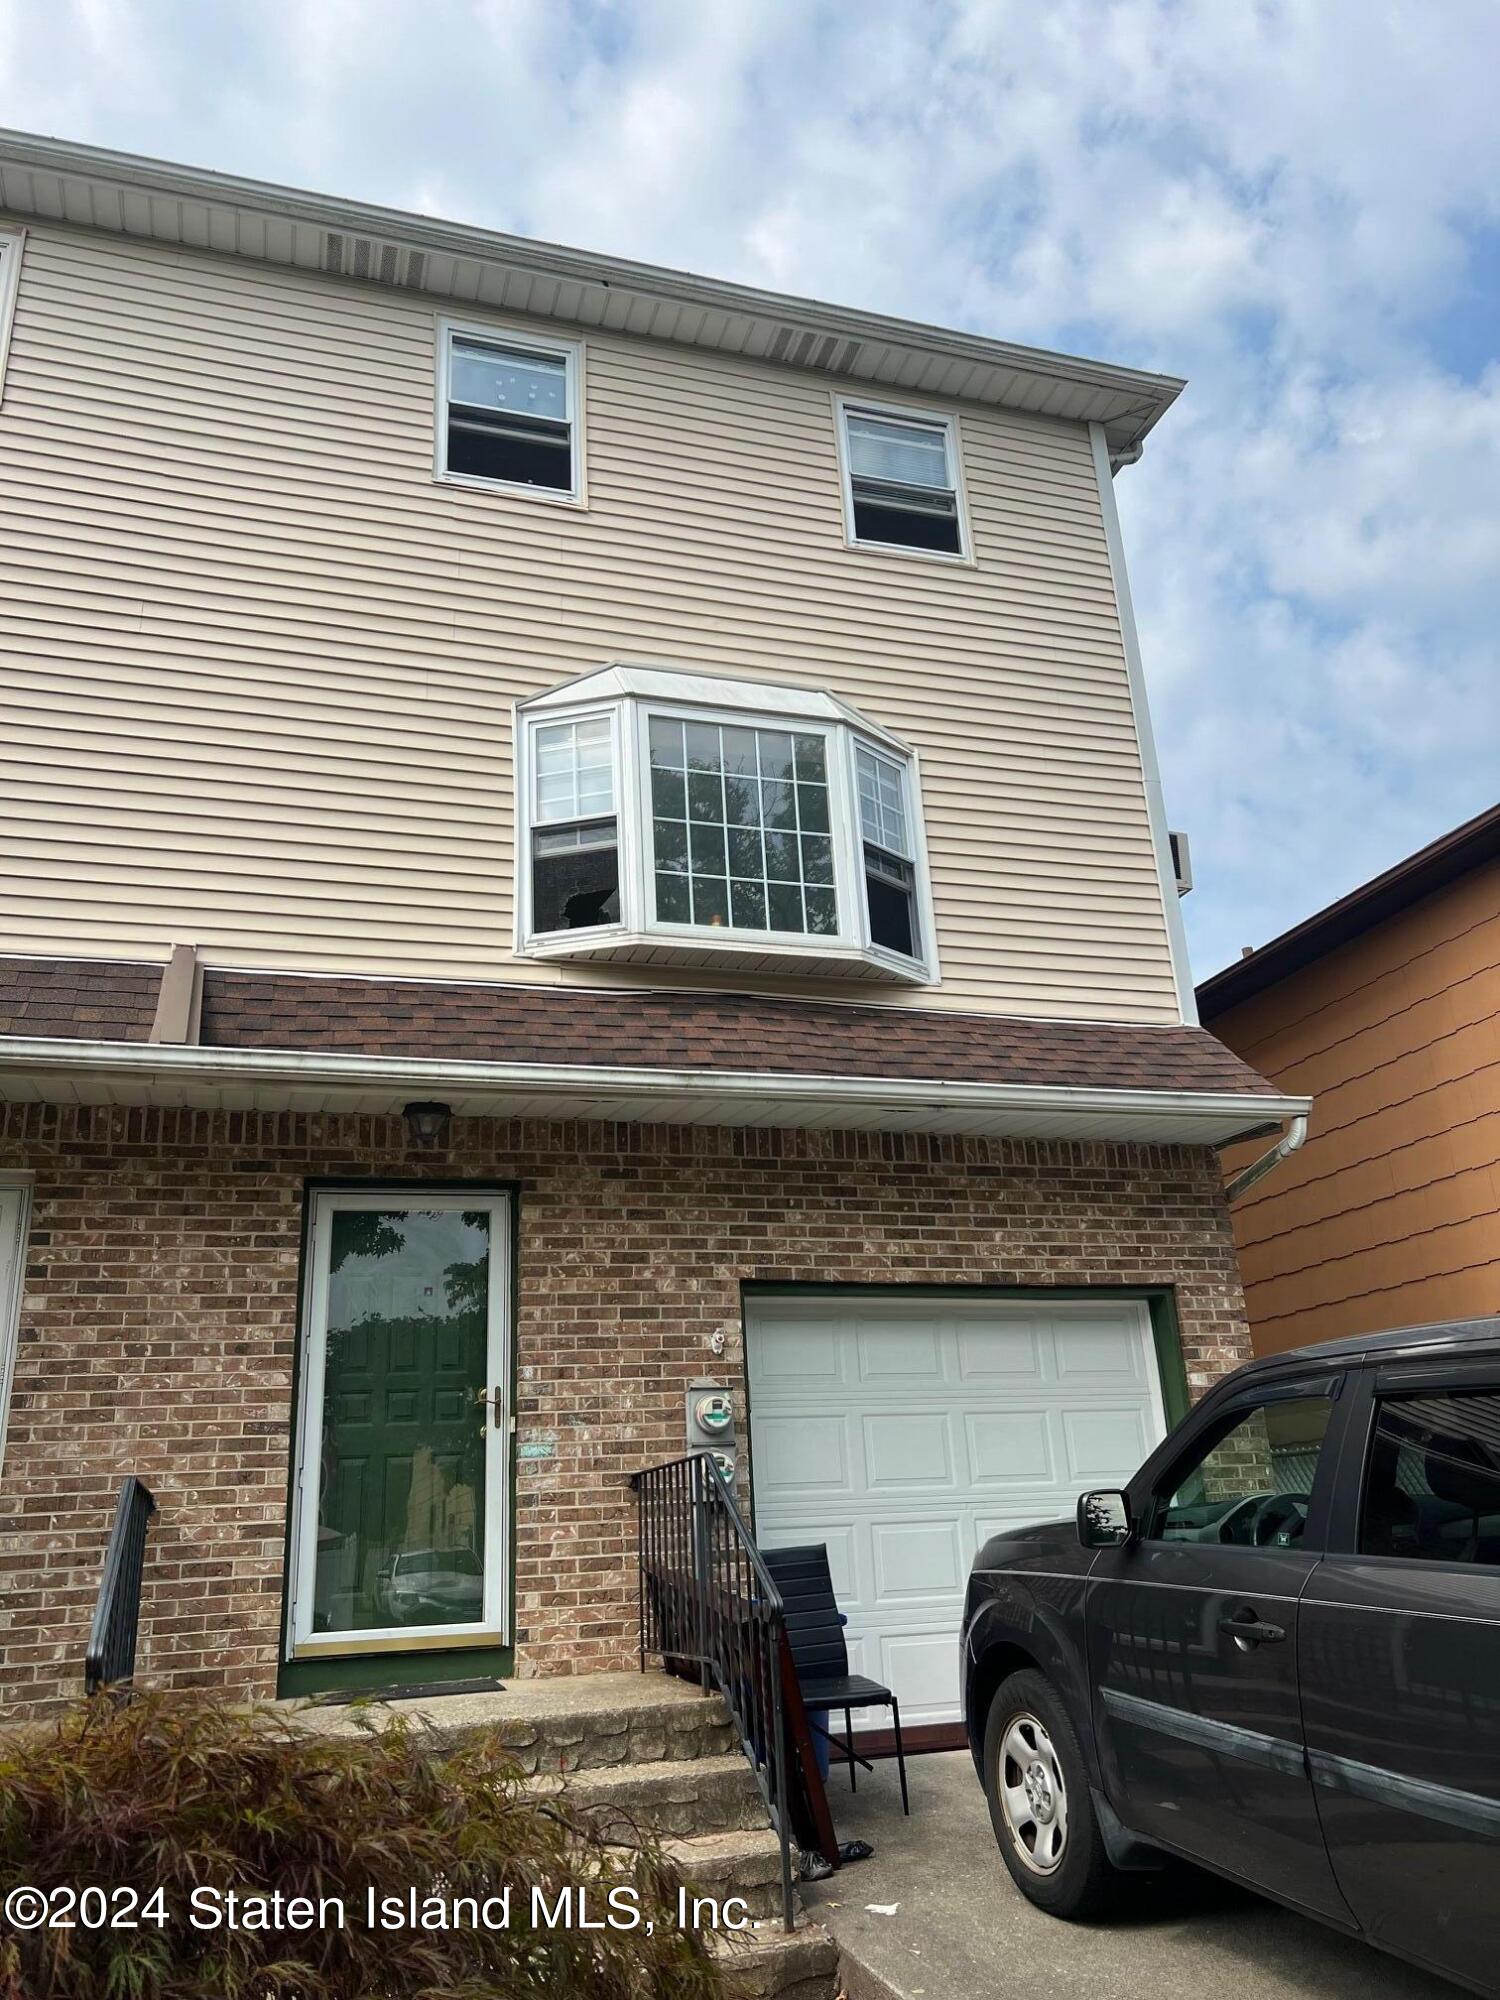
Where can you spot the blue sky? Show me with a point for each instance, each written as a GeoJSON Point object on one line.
{"type": "Point", "coordinates": [1295, 205]}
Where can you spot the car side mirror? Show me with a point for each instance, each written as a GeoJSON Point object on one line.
{"type": "Point", "coordinates": [1104, 1520]}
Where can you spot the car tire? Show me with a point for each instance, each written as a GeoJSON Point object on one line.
{"type": "Point", "coordinates": [1037, 1785]}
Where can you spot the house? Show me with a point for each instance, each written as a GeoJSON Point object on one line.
{"type": "Point", "coordinates": [1384, 1008]}
{"type": "Point", "coordinates": [578, 839]}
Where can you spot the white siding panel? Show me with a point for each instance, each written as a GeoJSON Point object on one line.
{"type": "Point", "coordinates": [257, 666]}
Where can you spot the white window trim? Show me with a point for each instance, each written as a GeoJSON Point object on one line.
{"type": "Point", "coordinates": [15, 1227]}
{"type": "Point", "coordinates": [569, 352]}
{"type": "Point", "coordinates": [638, 923]}
{"type": "Point", "coordinates": [945, 420]}
{"type": "Point", "coordinates": [12, 246]}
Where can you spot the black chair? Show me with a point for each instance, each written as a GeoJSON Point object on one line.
{"type": "Point", "coordinates": [815, 1633]}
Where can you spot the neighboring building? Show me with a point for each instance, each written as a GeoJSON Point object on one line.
{"type": "Point", "coordinates": [1385, 1008]}
{"type": "Point", "coordinates": [569, 829]}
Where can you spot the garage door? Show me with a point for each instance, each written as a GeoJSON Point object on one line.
{"type": "Point", "coordinates": [902, 1434]}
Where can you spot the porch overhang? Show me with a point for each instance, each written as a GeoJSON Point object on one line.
{"type": "Point", "coordinates": [68, 1070]}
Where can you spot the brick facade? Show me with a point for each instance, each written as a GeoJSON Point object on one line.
{"type": "Point", "coordinates": [158, 1332]}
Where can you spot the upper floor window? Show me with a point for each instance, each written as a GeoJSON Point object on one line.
{"type": "Point", "coordinates": [508, 411]}
{"type": "Point", "coordinates": [672, 817]}
{"type": "Point", "coordinates": [901, 479]}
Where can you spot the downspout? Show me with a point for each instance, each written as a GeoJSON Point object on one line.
{"type": "Point", "coordinates": [1289, 1143]}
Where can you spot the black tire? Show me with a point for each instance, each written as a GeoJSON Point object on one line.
{"type": "Point", "coordinates": [1081, 1881]}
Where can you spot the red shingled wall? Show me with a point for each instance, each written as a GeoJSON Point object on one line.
{"type": "Point", "coordinates": [161, 1297]}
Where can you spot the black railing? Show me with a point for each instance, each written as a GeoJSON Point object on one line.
{"type": "Point", "coordinates": [708, 1602]}
{"type": "Point", "coordinates": [117, 1609]}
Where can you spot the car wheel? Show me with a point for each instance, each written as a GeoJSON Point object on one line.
{"type": "Point", "coordinates": [1038, 1790]}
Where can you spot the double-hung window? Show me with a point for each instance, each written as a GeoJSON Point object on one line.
{"type": "Point", "coordinates": [509, 412]}
{"type": "Point", "coordinates": [673, 818]}
{"type": "Point", "coordinates": [901, 480]}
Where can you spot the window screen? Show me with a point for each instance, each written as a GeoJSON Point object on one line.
{"type": "Point", "coordinates": [740, 828]}
{"type": "Point", "coordinates": [508, 415]}
{"type": "Point", "coordinates": [575, 845]}
{"type": "Point", "coordinates": [1432, 1484]}
{"type": "Point", "coordinates": [890, 877]}
{"type": "Point", "coordinates": [901, 482]}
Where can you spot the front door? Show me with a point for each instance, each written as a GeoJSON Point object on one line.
{"type": "Point", "coordinates": [403, 1448]}
{"type": "Point", "coordinates": [1192, 1633]}
{"type": "Point", "coordinates": [1401, 1670]}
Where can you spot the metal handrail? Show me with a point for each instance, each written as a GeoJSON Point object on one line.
{"type": "Point", "coordinates": [708, 1600]}
{"type": "Point", "coordinates": [117, 1609]}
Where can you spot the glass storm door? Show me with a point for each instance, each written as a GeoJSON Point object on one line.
{"type": "Point", "coordinates": [403, 1442]}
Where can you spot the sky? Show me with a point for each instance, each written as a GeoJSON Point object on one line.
{"type": "Point", "coordinates": [1293, 203]}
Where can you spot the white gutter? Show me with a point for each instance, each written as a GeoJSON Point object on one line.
{"type": "Point", "coordinates": [1290, 1142]}
{"type": "Point", "coordinates": [128, 1062]}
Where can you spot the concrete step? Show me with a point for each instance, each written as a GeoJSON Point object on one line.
{"type": "Point", "coordinates": [675, 1800]}
{"type": "Point", "coordinates": [745, 1863]}
{"type": "Point", "coordinates": [773, 1965]}
{"type": "Point", "coordinates": [583, 1722]}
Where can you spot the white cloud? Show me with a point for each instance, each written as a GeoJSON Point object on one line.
{"type": "Point", "coordinates": [1283, 201]}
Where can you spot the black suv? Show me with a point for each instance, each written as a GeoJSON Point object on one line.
{"type": "Point", "coordinates": [1276, 1653]}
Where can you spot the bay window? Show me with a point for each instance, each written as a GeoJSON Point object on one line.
{"type": "Point", "coordinates": [674, 818]}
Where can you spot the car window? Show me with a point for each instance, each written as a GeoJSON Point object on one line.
{"type": "Point", "coordinates": [1432, 1480]}
{"type": "Point", "coordinates": [1252, 1485]}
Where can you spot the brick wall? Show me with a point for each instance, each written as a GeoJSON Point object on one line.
{"type": "Point", "coordinates": [158, 1331]}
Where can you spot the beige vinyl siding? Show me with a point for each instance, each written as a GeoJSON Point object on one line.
{"type": "Point", "coordinates": [258, 666]}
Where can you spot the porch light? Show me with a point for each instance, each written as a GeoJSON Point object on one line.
{"type": "Point", "coordinates": [427, 1123]}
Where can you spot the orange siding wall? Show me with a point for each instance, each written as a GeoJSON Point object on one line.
{"type": "Point", "coordinates": [1390, 1215]}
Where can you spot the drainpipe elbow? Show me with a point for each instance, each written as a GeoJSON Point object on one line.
{"type": "Point", "coordinates": [1290, 1142]}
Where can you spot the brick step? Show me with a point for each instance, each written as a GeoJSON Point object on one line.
{"type": "Point", "coordinates": [745, 1863]}
{"type": "Point", "coordinates": [674, 1800]}
{"type": "Point", "coordinates": [775, 1966]}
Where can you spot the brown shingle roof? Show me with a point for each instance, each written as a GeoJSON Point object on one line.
{"type": "Point", "coordinates": [97, 1000]}
{"type": "Point", "coordinates": [613, 1027]}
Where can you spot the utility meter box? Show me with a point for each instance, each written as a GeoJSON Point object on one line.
{"type": "Point", "coordinates": [711, 1423]}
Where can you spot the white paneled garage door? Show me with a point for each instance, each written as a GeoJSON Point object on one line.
{"type": "Point", "coordinates": [904, 1433]}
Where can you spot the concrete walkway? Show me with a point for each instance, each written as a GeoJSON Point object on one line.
{"type": "Point", "coordinates": [963, 1932]}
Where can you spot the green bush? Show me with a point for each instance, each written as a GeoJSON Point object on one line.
{"type": "Point", "coordinates": [186, 1793]}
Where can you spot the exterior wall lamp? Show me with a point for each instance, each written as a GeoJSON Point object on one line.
{"type": "Point", "coordinates": [427, 1124]}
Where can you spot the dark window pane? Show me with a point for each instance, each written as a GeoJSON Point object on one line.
{"type": "Point", "coordinates": [670, 836]}
{"type": "Point", "coordinates": [705, 795]}
{"type": "Point", "coordinates": [812, 805]}
{"type": "Point", "coordinates": [782, 863]}
{"type": "Point", "coordinates": [672, 902]}
{"type": "Point", "coordinates": [785, 907]}
{"type": "Point", "coordinates": [1432, 1490]}
{"type": "Point", "coordinates": [779, 805]}
{"type": "Point", "coordinates": [892, 916]}
{"type": "Point", "coordinates": [741, 801]}
{"type": "Point", "coordinates": [708, 850]}
{"type": "Point", "coordinates": [746, 854]}
{"type": "Point", "coordinates": [1252, 1484]}
{"type": "Point", "coordinates": [749, 905]}
{"type": "Point", "coordinates": [669, 793]}
{"type": "Point", "coordinates": [775, 754]}
{"type": "Point", "coordinates": [739, 750]}
{"type": "Point", "coordinates": [907, 528]}
{"type": "Point", "coordinates": [822, 912]}
{"type": "Point", "coordinates": [482, 453]}
{"type": "Point", "coordinates": [666, 742]}
{"type": "Point", "coordinates": [575, 891]}
{"type": "Point", "coordinates": [811, 762]}
{"type": "Point", "coordinates": [817, 858]}
{"type": "Point", "coordinates": [710, 900]}
{"type": "Point", "coordinates": [703, 746]}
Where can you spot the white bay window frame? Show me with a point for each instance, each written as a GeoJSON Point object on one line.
{"type": "Point", "coordinates": [637, 696]}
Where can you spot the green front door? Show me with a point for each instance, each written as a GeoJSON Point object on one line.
{"type": "Point", "coordinates": [399, 1529]}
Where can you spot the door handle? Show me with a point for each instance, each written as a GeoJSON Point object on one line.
{"type": "Point", "coordinates": [495, 1400]}
{"type": "Point", "coordinates": [1248, 1631]}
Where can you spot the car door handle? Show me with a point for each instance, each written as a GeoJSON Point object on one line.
{"type": "Point", "coordinates": [1248, 1631]}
